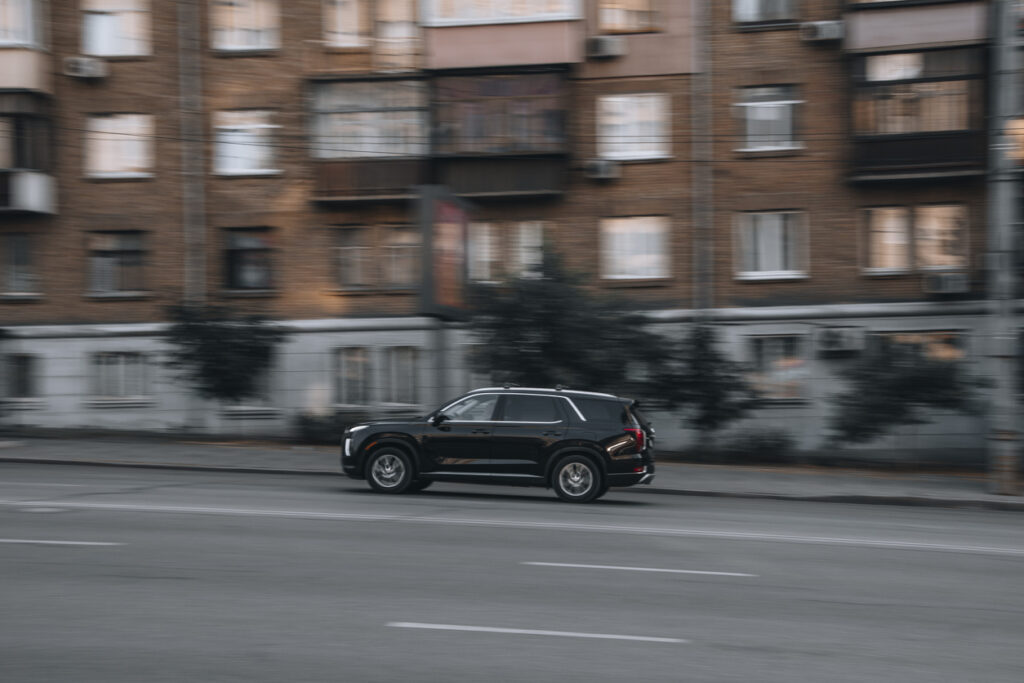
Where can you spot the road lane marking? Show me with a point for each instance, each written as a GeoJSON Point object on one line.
{"type": "Point", "coordinates": [532, 632]}
{"type": "Point", "coordinates": [40, 483]}
{"type": "Point", "coordinates": [548, 526]}
{"type": "Point", "coordinates": [636, 569]}
{"type": "Point", "coordinates": [29, 541]}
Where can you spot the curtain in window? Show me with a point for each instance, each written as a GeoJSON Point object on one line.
{"type": "Point", "coordinates": [770, 243]}
{"type": "Point", "coordinates": [244, 141]}
{"type": "Point", "coordinates": [112, 28]}
{"type": "Point", "coordinates": [634, 248]}
{"type": "Point", "coordinates": [529, 254]}
{"type": "Point", "coordinates": [347, 23]}
{"type": "Point", "coordinates": [625, 16]}
{"type": "Point", "coordinates": [245, 24]}
{"type": "Point", "coordinates": [119, 144]}
{"type": "Point", "coordinates": [19, 23]}
{"type": "Point", "coordinates": [396, 44]}
{"type": "Point", "coordinates": [888, 238]}
{"type": "Point", "coordinates": [364, 120]}
{"type": "Point", "coordinates": [940, 236]}
{"type": "Point", "coordinates": [633, 126]}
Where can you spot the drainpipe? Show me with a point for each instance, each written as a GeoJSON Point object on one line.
{"type": "Point", "coordinates": [701, 105]}
{"type": "Point", "coordinates": [190, 95]}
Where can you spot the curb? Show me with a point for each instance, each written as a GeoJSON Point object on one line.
{"type": "Point", "coordinates": [854, 499]}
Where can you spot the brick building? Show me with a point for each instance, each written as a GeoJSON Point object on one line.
{"type": "Point", "coordinates": [812, 172]}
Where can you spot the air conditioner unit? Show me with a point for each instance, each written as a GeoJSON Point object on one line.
{"type": "Point", "coordinates": [821, 31]}
{"type": "Point", "coordinates": [841, 340]}
{"type": "Point", "coordinates": [85, 67]}
{"type": "Point", "coordinates": [605, 47]}
{"type": "Point", "coordinates": [946, 283]}
{"type": "Point", "coordinates": [601, 169]}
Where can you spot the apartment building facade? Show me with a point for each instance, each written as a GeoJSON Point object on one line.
{"type": "Point", "coordinates": [810, 174]}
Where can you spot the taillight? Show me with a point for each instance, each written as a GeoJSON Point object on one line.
{"type": "Point", "coordinates": [638, 434]}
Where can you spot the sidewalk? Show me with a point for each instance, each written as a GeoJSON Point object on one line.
{"type": "Point", "coordinates": [785, 483]}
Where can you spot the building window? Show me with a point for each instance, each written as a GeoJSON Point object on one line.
{"type": "Point", "coordinates": [633, 126]}
{"type": "Point", "coordinates": [347, 23]}
{"type": "Point", "coordinates": [352, 257]}
{"type": "Point", "coordinates": [499, 114]}
{"type": "Point", "coordinates": [384, 119]}
{"type": "Point", "coordinates": [769, 117]}
{"type": "Point", "coordinates": [918, 92]}
{"type": "Point", "coordinates": [115, 28]}
{"type": "Point", "coordinates": [18, 273]}
{"type": "Point", "coordinates": [626, 16]}
{"type": "Point", "coordinates": [20, 380]}
{"type": "Point", "coordinates": [244, 142]}
{"type": "Point", "coordinates": [756, 11]}
{"type": "Point", "coordinates": [21, 24]}
{"type": "Point", "coordinates": [24, 142]}
{"type": "Point", "coordinates": [352, 376]}
{"type": "Point", "coordinates": [115, 262]}
{"type": "Point", "coordinates": [397, 34]}
{"type": "Point", "coordinates": [779, 369]}
{"type": "Point", "coordinates": [119, 146]}
{"type": "Point", "coordinates": [483, 252]}
{"type": "Point", "coordinates": [456, 12]}
{"type": "Point", "coordinates": [771, 245]}
{"type": "Point", "coordinates": [245, 25]}
{"type": "Point", "coordinates": [398, 383]}
{"type": "Point", "coordinates": [249, 260]}
{"type": "Point", "coordinates": [401, 262]}
{"type": "Point", "coordinates": [929, 237]}
{"type": "Point", "coordinates": [933, 345]}
{"type": "Point", "coordinates": [634, 248]}
{"type": "Point", "coordinates": [528, 250]}
{"type": "Point", "coordinates": [119, 375]}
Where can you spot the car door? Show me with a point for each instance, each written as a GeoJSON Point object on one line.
{"type": "Point", "coordinates": [528, 426]}
{"type": "Point", "coordinates": [459, 445]}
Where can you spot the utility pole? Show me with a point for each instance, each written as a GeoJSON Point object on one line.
{"type": "Point", "coordinates": [1001, 286]}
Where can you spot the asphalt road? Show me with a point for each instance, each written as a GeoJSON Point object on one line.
{"type": "Point", "coordinates": [129, 575]}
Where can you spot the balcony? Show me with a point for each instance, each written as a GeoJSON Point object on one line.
{"type": "Point", "coordinates": [496, 177]}
{"type": "Point", "coordinates": [362, 180]}
{"type": "Point", "coordinates": [26, 69]}
{"type": "Point", "coordinates": [27, 192]}
{"type": "Point", "coordinates": [918, 156]}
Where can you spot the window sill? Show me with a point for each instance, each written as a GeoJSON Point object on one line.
{"type": "Point", "coordinates": [116, 402]}
{"type": "Point", "coordinates": [118, 296]}
{"type": "Point", "coordinates": [117, 177]}
{"type": "Point", "coordinates": [767, 25]}
{"type": "Point", "coordinates": [854, 7]}
{"type": "Point", "coordinates": [255, 173]}
{"type": "Point", "coordinates": [20, 297]}
{"type": "Point", "coordinates": [629, 32]}
{"type": "Point", "coordinates": [122, 58]}
{"type": "Point", "coordinates": [23, 404]}
{"type": "Point", "coordinates": [772, 276]}
{"type": "Point", "coordinates": [768, 152]}
{"type": "Point", "coordinates": [250, 413]}
{"type": "Point", "coordinates": [367, 291]}
{"type": "Point", "coordinates": [885, 272]}
{"type": "Point", "coordinates": [347, 49]}
{"type": "Point", "coordinates": [249, 293]}
{"type": "Point", "coordinates": [637, 282]}
{"type": "Point", "coordinates": [245, 51]}
{"type": "Point", "coordinates": [653, 158]}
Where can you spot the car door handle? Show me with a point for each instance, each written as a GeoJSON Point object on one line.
{"type": "Point", "coordinates": [552, 434]}
{"type": "Point", "coordinates": [481, 431]}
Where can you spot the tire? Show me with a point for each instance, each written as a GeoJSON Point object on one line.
{"type": "Point", "coordinates": [577, 479]}
{"type": "Point", "coordinates": [603, 490]}
{"type": "Point", "coordinates": [389, 470]}
{"type": "Point", "coordinates": [419, 484]}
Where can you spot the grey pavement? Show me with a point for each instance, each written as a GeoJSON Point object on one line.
{"type": "Point", "coordinates": [787, 483]}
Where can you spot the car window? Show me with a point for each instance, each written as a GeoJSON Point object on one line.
{"type": "Point", "coordinates": [597, 410]}
{"type": "Point", "coordinates": [474, 408]}
{"type": "Point", "coordinates": [531, 409]}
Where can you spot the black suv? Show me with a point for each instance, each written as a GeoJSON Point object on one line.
{"type": "Point", "coordinates": [578, 443]}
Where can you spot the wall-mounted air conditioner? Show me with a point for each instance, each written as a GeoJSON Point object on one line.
{"type": "Point", "coordinates": [821, 31]}
{"type": "Point", "coordinates": [601, 169]}
{"type": "Point", "coordinates": [946, 283]}
{"type": "Point", "coordinates": [606, 47]}
{"type": "Point", "coordinates": [85, 67]}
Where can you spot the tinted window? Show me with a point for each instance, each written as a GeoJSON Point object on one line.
{"type": "Point", "coordinates": [475, 408]}
{"type": "Point", "coordinates": [531, 409]}
{"type": "Point", "coordinates": [598, 410]}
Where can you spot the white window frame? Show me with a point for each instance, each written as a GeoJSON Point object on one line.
{"type": "Point", "coordinates": [399, 386]}
{"type": "Point", "coordinates": [754, 11]}
{"type": "Point", "coordinates": [633, 136]}
{"type": "Point", "coordinates": [127, 23]}
{"type": "Point", "coordinates": [750, 227]}
{"type": "Point", "coordinates": [358, 392]}
{"type": "Point", "coordinates": [377, 124]}
{"type": "Point", "coordinates": [119, 146]}
{"type": "Point", "coordinates": [29, 33]}
{"type": "Point", "coordinates": [907, 241]}
{"type": "Point", "coordinates": [749, 111]}
{"type": "Point", "coordinates": [113, 370]}
{"type": "Point", "coordinates": [490, 12]}
{"type": "Point", "coordinates": [618, 237]}
{"type": "Point", "coordinates": [246, 136]}
{"type": "Point", "coordinates": [250, 14]}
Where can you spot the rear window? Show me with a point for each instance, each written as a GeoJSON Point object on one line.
{"type": "Point", "coordinates": [531, 409]}
{"type": "Point", "coordinates": [597, 410]}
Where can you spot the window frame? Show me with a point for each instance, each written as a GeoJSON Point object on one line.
{"type": "Point", "coordinates": [791, 14]}
{"type": "Point", "coordinates": [234, 259]}
{"type": "Point", "coordinates": [104, 140]}
{"type": "Point", "coordinates": [256, 134]}
{"type": "Point", "coordinates": [273, 8]}
{"type": "Point", "coordinates": [360, 253]}
{"type": "Point", "coordinates": [143, 43]}
{"type": "Point", "coordinates": [913, 263]}
{"type": "Point", "coordinates": [652, 16]}
{"type": "Point", "coordinates": [364, 367]}
{"type": "Point", "coordinates": [20, 375]}
{"type": "Point", "coordinates": [99, 382]}
{"type": "Point", "coordinates": [392, 386]}
{"type": "Point", "coordinates": [400, 262]}
{"type": "Point", "coordinates": [124, 263]}
{"type": "Point", "coordinates": [32, 34]}
{"type": "Point", "coordinates": [661, 255]}
{"type": "Point", "coordinates": [414, 144]}
{"type": "Point", "coordinates": [19, 275]}
{"type": "Point", "coordinates": [746, 106]}
{"type": "Point", "coordinates": [656, 146]}
{"type": "Point", "coordinates": [364, 20]}
{"type": "Point", "coordinates": [802, 356]}
{"type": "Point", "coordinates": [800, 252]}
{"type": "Point", "coordinates": [430, 15]}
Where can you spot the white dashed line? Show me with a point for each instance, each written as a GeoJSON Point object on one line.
{"type": "Point", "coordinates": [29, 541]}
{"type": "Point", "coordinates": [532, 632]}
{"type": "Point", "coordinates": [637, 569]}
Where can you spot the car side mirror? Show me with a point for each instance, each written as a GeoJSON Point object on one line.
{"type": "Point", "coordinates": [438, 419]}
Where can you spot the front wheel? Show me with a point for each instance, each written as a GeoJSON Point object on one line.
{"type": "Point", "coordinates": [577, 479]}
{"type": "Point", "coordinates": [389, 470]}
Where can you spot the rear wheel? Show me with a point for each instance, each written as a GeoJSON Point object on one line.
{"type": "Point", "coordinates": [577, 479]}
{"type": "Point", "coordinates": [389, 470]}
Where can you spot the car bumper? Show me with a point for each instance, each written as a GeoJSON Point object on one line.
{"type": "Point", "coordinates": [645, 476]}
